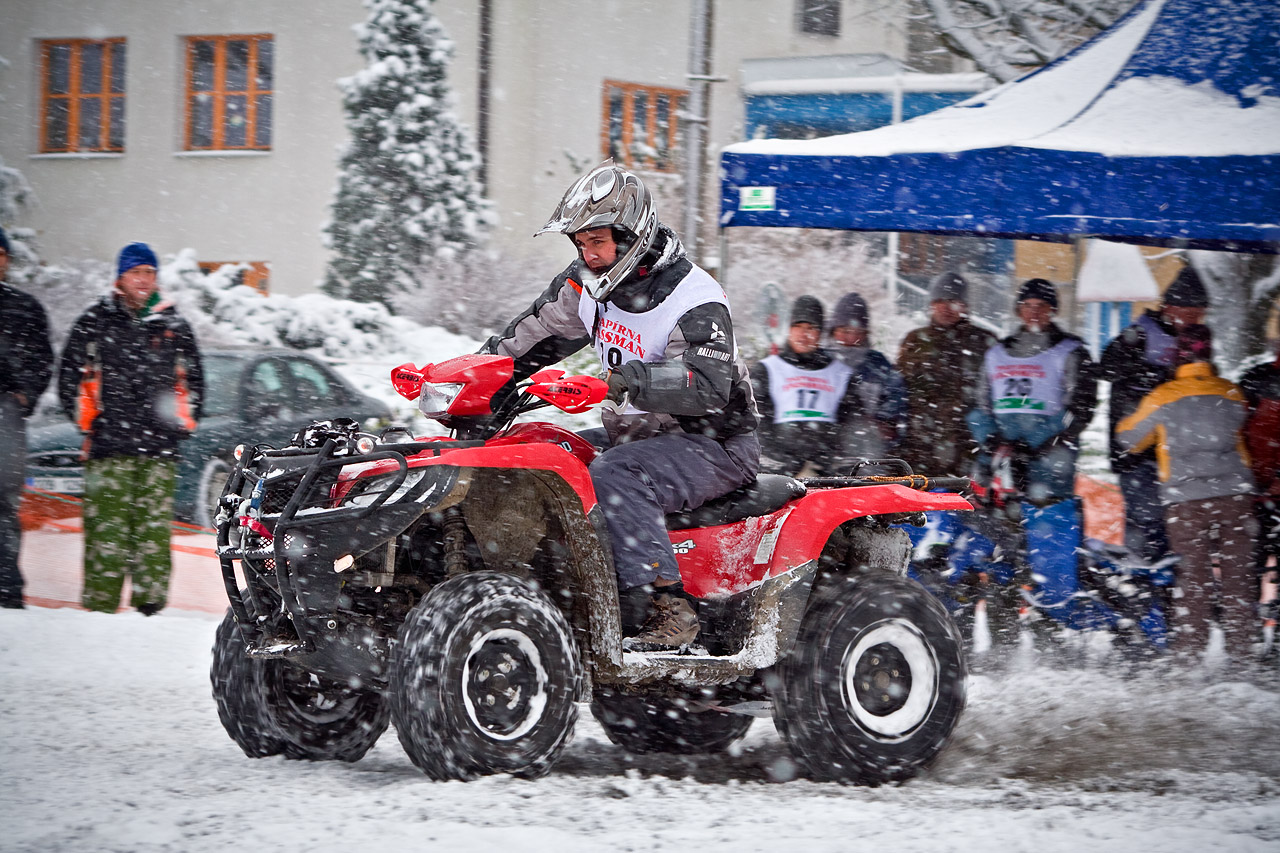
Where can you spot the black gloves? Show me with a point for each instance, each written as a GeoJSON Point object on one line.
{"type": "Point", "coordinates": [617, 386]}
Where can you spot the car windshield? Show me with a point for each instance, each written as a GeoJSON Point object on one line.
{"type": "Point", "coordinates": [221, 377]}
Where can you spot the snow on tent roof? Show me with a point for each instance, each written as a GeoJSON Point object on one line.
{"type": "Point", "coordinates": [1163, 129]}
{"type": "Point", "coordinates": [1115, 272]}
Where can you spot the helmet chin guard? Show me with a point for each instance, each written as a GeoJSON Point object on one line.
{"type": "Point", "coordinates": [608, 197]}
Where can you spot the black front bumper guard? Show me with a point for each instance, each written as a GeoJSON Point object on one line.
{"type": "Point", "coordinates": [304, 541]}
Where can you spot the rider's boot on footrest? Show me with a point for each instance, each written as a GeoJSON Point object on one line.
{"type": "Point", "coordinates": [672, 624]}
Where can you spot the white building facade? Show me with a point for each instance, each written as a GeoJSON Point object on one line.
{"type": "Point", "coordinates": [216, 125]}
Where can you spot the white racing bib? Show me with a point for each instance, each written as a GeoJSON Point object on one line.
{"type": "Point", "coordinates": [806, 395]}
{"type": "Point", "coordinates": [621, 336]}
{"type": "Point", "coordinates": [1031, 385]}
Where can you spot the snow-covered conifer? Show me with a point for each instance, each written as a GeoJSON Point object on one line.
{"type": "Point", "coordinates": [407, 189]}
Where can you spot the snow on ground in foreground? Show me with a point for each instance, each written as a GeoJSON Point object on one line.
{"type": "Point", "coordinates": [112, 742]}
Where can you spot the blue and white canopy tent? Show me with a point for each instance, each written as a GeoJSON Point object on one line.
{"type": "Point", "coordinates": [1163, 130]}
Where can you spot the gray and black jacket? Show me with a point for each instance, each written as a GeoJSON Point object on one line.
{"type": "Point", "coordinates": [700, 387]}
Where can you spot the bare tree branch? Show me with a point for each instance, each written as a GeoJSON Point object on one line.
{"type": "Point", "coordinates": [1004, 38]}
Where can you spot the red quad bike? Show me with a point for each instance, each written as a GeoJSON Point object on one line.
{"type": "Point", "coordinates": [463, 588]}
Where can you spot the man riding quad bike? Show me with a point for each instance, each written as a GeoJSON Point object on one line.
{"type": "Point", "coordinates": [464, 529]}
{"type": "Point", "coordinates": [463, 588]}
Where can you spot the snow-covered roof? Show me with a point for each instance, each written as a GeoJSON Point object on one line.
{"type": "Point", "coordinates": [1115, 272]}
{"type": "Point", "coordinates": [905, 82]}
{"type": "Point", "coordinates": [1086, 102]}
{"type": "Point", "coordinates": [1164, 128]}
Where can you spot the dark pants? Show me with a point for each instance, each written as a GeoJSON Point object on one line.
{"type": "Point", "coordinates": [1144, 528]}
{"type": "Point", "coordinates": [638, 483]}
{"type": "Point", "coordinates": [13, 455]}
{"type": "Point", "coordinates": [1221, 530]}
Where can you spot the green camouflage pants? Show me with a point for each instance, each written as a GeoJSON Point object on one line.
{"type": "Point", "coordinates": [128, 506]}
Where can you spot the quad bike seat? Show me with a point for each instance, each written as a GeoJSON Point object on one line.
{"type": "Point", "coordinates": [768, 493]}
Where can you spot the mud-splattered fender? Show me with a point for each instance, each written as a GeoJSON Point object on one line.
{"type": "Point", "coordinates": [803, 535]}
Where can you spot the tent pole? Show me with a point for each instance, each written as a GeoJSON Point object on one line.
{"type": "Point", "coordinates": [891, 268]}
{"type": "Point", "coordinates": [722, 273]}
{"type": "Point", "coordinates": [1074, 320]}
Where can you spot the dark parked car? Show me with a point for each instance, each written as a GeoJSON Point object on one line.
{"type": "Point", "coordinates": [251, 396]}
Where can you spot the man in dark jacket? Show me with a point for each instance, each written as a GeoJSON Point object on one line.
{"type": "Point", "coordinates": [875, 427]}
{"type": "Point", "coordinates": [1139, 359]}
{"type": "Point", "coordinates": [683, 426]}
{"type": "Point", "coordinates": [805, 396]}
{"type": "Point", "coordinates": [130, 376]}
{"type": "Point", "coordinates": [940, 363]}
{"type": "Point", "coordinates": [26, 362]}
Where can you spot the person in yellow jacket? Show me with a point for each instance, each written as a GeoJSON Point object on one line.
{"type": "Point", "coordinates": [1194, 423]}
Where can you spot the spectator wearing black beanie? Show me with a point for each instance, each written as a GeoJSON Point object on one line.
{"type": "Point", "coordinates": [1141, 357]}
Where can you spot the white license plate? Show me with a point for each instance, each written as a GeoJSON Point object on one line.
{"type": "Point", "coordinates": [65, 485]}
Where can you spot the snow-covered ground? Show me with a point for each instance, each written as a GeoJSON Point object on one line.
{"type": "Point", "coordinates": [111, 742]}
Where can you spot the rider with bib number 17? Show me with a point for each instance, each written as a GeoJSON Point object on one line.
{"type": "Point", "coordinates": [680, 424]}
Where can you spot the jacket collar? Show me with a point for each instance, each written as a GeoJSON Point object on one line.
{"type": "Point", "coordinates": [1196, 370]}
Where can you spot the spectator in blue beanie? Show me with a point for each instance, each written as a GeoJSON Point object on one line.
{"type": "Point", "coordinates": [131, 378]}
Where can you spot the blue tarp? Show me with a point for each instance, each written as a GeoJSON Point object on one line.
{"type": "Point", "coordinates": [1167, 179]}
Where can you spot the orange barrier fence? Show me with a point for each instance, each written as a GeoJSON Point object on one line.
{"type": "Point", "coordinates": [53, 554]}
{"type": "Point", "coordinates": [53, 548]}
{"type": "Point", "coordinates": [1103, 510]}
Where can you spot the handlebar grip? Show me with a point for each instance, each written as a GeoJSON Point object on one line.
{"type": "Point", "coordinates": [954, 484]}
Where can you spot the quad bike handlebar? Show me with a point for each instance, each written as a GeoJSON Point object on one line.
{"type": "Point", "coordinates": [477, 396]}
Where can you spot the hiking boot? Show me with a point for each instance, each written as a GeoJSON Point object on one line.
{"type": "Point", "coordinates": [672, 623]}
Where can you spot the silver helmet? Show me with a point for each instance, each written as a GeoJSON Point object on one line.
{"type": "Point", "coordinates": [608, 196]}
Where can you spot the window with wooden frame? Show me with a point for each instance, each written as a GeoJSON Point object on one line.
{"type": "Point", "coordinates": [641, 126]}
{"type": "Point", "coordinates": [229, 93]}
{"type": "Point", "coordinates": [256, 276]}
{"type": "Point", "coordinates": [82, 95]}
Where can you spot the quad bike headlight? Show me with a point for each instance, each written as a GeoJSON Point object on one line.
{"type": "Point", "coordinates": [437, 397]}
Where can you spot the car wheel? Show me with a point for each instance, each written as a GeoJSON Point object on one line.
{"type": "Point", "coordinates": [485, 679]}
{"type": "Point", "coordinates": [643, 724]}
{"type": "Point", "coordinates": [237, 692]}
{"type": "Point", "coordinates": [874, 685]}
{"type": "Point", "coordinates": [213, 481]}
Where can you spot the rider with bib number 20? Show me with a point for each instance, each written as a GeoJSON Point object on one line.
{"type": "Point", "coordinates": [1037, 391]}
{"type": "Point", "coordinates": [682, 422]}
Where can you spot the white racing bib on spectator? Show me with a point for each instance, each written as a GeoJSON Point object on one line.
{"type": "Point", "coordinates": [1031, 385]}
{"type": "Point", "coordinates": [806, 395]}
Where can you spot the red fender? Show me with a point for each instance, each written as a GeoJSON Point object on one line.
{"type": "Point", "coordinates": [538, 455]}
{"type": "Point", "coordinates": [815, 516]}
{"type": "Point", "coordinates": [733, 557]}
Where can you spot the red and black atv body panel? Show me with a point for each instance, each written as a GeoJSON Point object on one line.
{"type": "Point", "coordinates": [315, 525]}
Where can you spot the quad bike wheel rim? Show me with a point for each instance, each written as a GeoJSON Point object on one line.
{"type": "Point", "coordinates": [314, 700]}
{"type": "Point", "coordinates": [890, 679]}
{"type": "Point", "coordinates": [504, 684]}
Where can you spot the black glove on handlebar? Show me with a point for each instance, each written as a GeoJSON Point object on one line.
{"type": "Point", "coordinates": [617, 386]}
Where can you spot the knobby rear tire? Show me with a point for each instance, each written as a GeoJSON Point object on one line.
{"type": "Point", "coordinates": [874, 685]}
